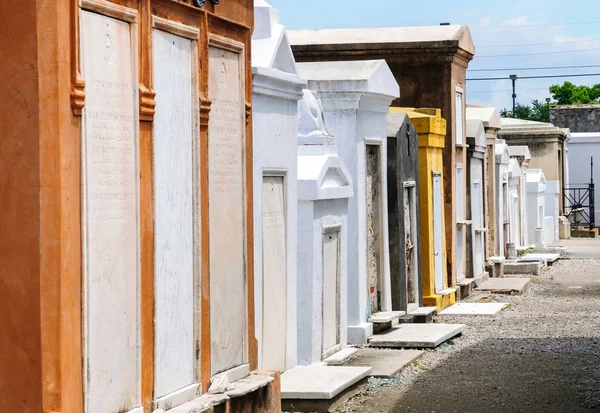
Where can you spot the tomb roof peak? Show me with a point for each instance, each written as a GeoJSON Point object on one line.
{"type": "Point", "coordinates": [489, 116]}
{"type": "Point", "coordinates": [476, 132]}
{"type": "Point", "coordinates": [366, 76]}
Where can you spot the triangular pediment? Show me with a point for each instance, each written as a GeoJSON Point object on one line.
{"type": "Point", "coordinates": [334, 178]}
{"type": "Point", "coordinates": [284, 58]}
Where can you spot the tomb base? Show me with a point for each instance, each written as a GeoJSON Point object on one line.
{"type": "Point", "coordinates": [440, 300]}
{"type": "Point", "coordinates": [584, 232]}
{"type": "Point", "coordinates": [359, 334]}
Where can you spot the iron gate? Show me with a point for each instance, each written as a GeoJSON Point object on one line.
{"type": "Point", "coordinates": [579, 202]}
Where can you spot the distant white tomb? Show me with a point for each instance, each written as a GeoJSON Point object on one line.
{"type": "Point", "coordinates": [356, 97]}
{"type": "Point", "coordinates": [552, 212]}
{"type": "Point", "coordinates": [476, 140]}
{"type": "Point", "coordinates": [276, 90]}
{"type": "Point", "coordinates": [536, 212]}
{"type": "Point", "coordinates": [324, 187]}
{"type": "Point", "coordinates": [502, 159]}
{"type": "Point", "coordinates": [514, 206]}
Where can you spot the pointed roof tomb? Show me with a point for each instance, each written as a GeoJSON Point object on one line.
{"type": "Point", "coordinates": [489, 116]}
{"type": "Point", "coordinates": [321, 173]}
{"type": "Point", "coordinates": [501, 151]}
{"type": "Point", "coordinates": [536, 181]}
{"type": "Point", "coordinates": [273, 66]}
{"type": "Point", "coordinates": [476, 135]}
{"type": "Point", "coordinates": [360, 77]}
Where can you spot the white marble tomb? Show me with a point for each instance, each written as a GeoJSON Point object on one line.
{"type": "Point", "coordinates": [111, 259]}
{"type": "Point", "coordinates": [476, 140]}
{"type": "Point", "coordinates": [502, 158]}
{"type": "Point", "coordinates": [324, 187]}
{"type": "Point", "coordinates": [536, 207]}
{"type": "Point", "coordinates": [276, 90]}
{"type": "Point", "coordinates": [356, 96]}
{"type": "Point", "coordinates": [514, 204]}
{"type": "Point", "coordinates": [552, 212]}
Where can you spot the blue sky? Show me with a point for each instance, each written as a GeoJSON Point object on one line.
{"type": "Point", "coordinates": [517, 27]}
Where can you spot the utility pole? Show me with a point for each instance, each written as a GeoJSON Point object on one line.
{"type": "Point", "coordinates": [514, 95]}
{"type": "Point", "coordinates": [548, 106]}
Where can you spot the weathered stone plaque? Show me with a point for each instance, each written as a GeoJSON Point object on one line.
{"type": "Point", "coordinates": [226, 210]}
{"type": "Point", "coordinates": [173, 214]}
{"type": "Point", "coordinates": [110, 214]}
{"type": "Point", "coordinates": [274, 274]}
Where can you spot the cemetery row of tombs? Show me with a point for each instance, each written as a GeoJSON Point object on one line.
{"type": "Point", "coordinates": [225, 209]}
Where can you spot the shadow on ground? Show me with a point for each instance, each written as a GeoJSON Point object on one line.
{"type": "Point", "coordinates": [512, 375]}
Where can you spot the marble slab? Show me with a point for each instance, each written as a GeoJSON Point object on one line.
{"type": "Point", "coordinates": [385, 363]}
{"type": "Point", "coordinates": [549, 258]}
{"type": "Point", "coordinates": [416, 335]}
{"type": "Point", "coordinates": [483, 309]}
{"type": "Point", "coordinates": [110, 217]}
{"type": "Point", "coordinates": [505, 285]}
{"type": "Point", "coordinates": [320, 382]}
{"type": "Point", "coordinates": [173, 214]}
{"type": "Point", "coordinates": [228, 305]}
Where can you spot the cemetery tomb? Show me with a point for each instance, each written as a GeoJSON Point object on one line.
{"type": "Point", "coordinates": [431, 129]}
{"type": "Point", "coordinates": [536, 201]}
{"type": "Point", "coordinates": [476, 140]}
{"type": "Point", "coordinates": [552, 211]}
{"type": "Point", "coordinates": [356, 97]}
{"type": "Point", "coordinates": [403, 213]}
{"type": "Point", "coordinates": [514, 203]}
{"type": "Point", "coordinates": [502, 159]}
{"type": "Point", "coordinates": [276, 90]}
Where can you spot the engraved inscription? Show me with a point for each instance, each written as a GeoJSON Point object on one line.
{"type": "Point", "coordinates": [111, 250]}
{"type": "Point", "coordinates": [226, 211]}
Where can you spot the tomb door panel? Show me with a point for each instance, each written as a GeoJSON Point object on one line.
{"type": "Point", "coordinates": [331, 297]}
{"type": "Point", "coordinates": [374, 233]}
{"type": "Point", "coordinates": [111, 260]}
{"type": "Point", "coordinates": [274, 274]}
{"type": "Point", "coordinates": [226, 200]}
{"type": "Point", "coordinates": [410, 245]}
{"type": "Point", "coordinates": [478, 230]}
{"type": "Point", "coordinates": [173, 161]}
{"type": "Point", "coordinates": [460, 228]}
{"type": "Point", "coordinates": [438, 233]}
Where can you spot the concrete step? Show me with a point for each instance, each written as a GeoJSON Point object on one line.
{"type": "Point", "coordinates": [320, 388]}
{"type": "Point", "coordinates": [515, 267]}
{"type": "Point", "coordinates": [385, 363]}
{"type": "Point", "coordinates": [341, 357]}
{"type": "Point", "coordinates": [423, 315]}
{"type": "Point", "coordinates": [385, 320]}
{"type": "Point", "coordinates": [549, 258]}
{"type": "Point", "coordinates": [465, 288]}
{"type": "Point", "coordinates": [416, 335]}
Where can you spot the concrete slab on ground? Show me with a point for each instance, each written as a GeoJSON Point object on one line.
{"type": "Point", "coordinates": [385, 363]}
{"type": "Point", "coordinates": [416, 335]}
{"type": "Point", "coordinates": [479, 309]}
{"type": "Point", "coordinates": [320, 382]}
{"type": "Point", "coordinates": [582, 247]}
{"type": "Point", "coordinates": [537, 257]}
{"type": "Point", "coordinates": [505, 285]}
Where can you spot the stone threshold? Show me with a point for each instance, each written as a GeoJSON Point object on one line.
{"type": "Point", "coordinates": [318, 382]}
{"type": "Point", "coordinates": [241, 387]}
{"type": "Point", "coordinates": [417, 335]}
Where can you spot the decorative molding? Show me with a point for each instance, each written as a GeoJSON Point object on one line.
{"type": "Point", "coordinates": [248, 113]}
{"type": "Point", "coordinates": [110, 9]}
{"type": "Point", "coordinates": [205, 106]}
{"type": "Point", "coordinates": [225, 43]}
{"type": "Point", "coordinates": [147, 103]}
{"type": "Point", "coordinates": [178, 29]}
{"type": "Point", "coordinates": [78, 95]}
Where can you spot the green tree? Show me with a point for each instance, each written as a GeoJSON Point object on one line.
{"type": "Point", "coordinates": [537, 111]}
{"type": "Point", "coordinates": [571, 94]}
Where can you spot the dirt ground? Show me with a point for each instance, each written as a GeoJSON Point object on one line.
{"type": "Point", "coordinates": [541, 354]}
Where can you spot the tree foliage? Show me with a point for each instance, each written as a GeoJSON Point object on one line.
{"type": "Point", "coordinates": [570, 94]}
{"type": "Point", "coordinates": [537, 111]}
{"type": "Point", "coordinates": [565, 94]}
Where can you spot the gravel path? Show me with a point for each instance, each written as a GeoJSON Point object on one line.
{"type": "Point", "coordinates": [542, 354]}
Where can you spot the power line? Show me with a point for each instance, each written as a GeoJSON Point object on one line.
{"type": "Point", "coordinates": [538, 44]}
{"type": "Point", "coordinates": [536, 77]}
{"type": "Point", "coordinates": [532, 68]}
{"type": "Point", "coordinates": [537, 54]}
{"type": "Point", "coordinates": [517, 26]}
{"type": "Point", "coordinates": [509, 90]}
